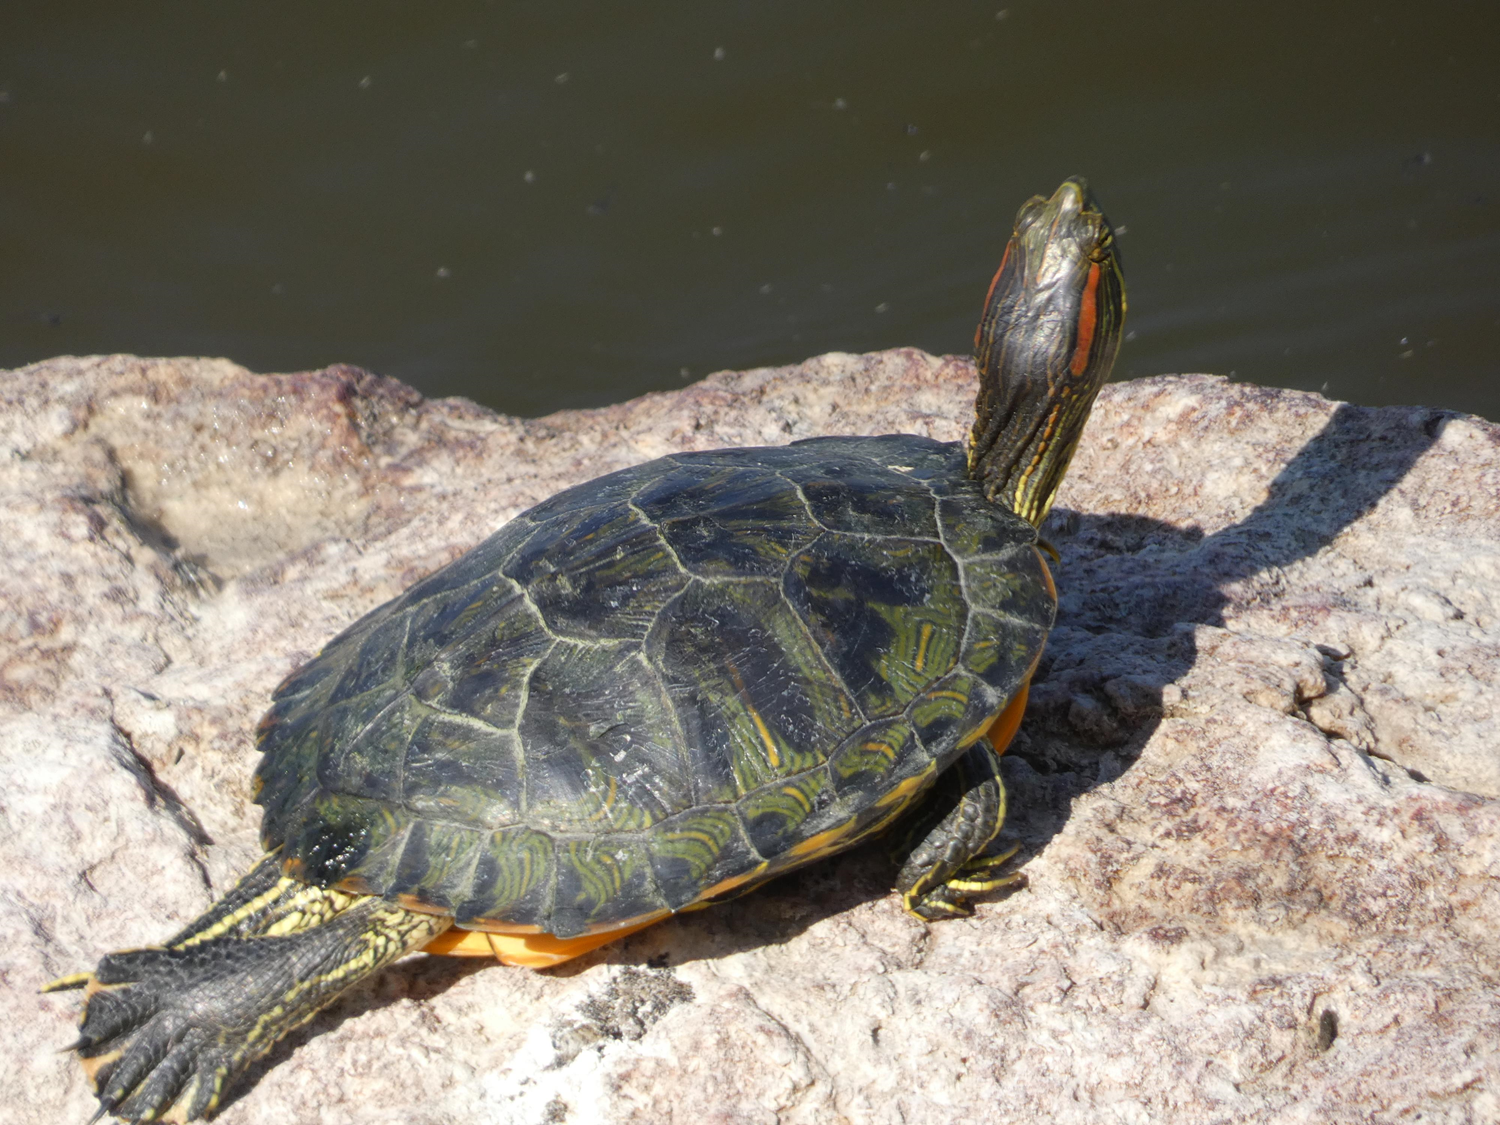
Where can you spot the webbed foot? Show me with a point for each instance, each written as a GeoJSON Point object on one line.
{"type": "Point", "coordinates": [942, 864]}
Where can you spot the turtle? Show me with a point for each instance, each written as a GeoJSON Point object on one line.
{"type": "Point", "coordinates": [649, 693]}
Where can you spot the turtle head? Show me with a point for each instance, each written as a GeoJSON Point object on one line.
{"type": "Point", "coordinates": [1045, 345]}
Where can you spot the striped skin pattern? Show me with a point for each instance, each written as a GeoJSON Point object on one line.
{"type": "Point", "coordinates": [1053, 322]}
{"type": "Point", "coordinates": [660, 687]}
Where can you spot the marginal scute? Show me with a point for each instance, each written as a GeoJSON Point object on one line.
{"type": "Point", "coordinates": [778, 816]}
{"type": "Point", "coordinates": [873, 755]}
{"type": "Point", "coordinates": [883, 769]}
{"type": "Point", "coordinates": [883, 610]}
{"type": "Point", "coordinates": [1002, 651]}
{"type": "Point", "coordinates": [286, 775]}
{"type": "Point", "coordinates": [513, 879]}
{"type": "Point", "coordinates": [971, 528]}
{"type": "Point", "coordinates": [437, 864]}
{"type": "Point", "coordinates": [1015, 585]}
{"type": "Point", "coordinates": [696, 850]}
{"type": "Point", "coordinates": [751, 691]}
{"type": "Point", "coordinates": [951, 709]}
{"type": "Point", "coordinates": [310, 680]}
{"type": "Point", "coordinates": [297, 706]}
{"type": "Point", "coordinates": [386, 828]}
{"type": "Point", "coordinates": [601, 880]}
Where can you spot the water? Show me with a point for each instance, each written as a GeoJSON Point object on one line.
{"type": "Point", "coordinates": [567, 204]}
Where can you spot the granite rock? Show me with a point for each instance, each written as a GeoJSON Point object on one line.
{"type": "Point", "coordinates": [1257, 792]}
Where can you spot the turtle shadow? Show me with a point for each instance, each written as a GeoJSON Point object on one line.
{"type": "Point", "coordinates": [1133, 590]}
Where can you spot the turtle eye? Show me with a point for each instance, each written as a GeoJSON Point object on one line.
{"type": "Point", "coordinates": [1105, 246]}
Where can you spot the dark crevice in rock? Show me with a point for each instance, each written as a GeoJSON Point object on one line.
{"type": "Point", "coordinates": [1328, 1029]}
{"type": "Point", "coordinates": [159, 793]}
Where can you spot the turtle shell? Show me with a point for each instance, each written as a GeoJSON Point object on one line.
{"type": "Point", "coordinates": [659, 687]}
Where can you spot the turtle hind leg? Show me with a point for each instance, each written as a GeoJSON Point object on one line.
{"type": "Point", "coordinates": [166, 1032]}
{"type": "Point", "coordinates": [941, 851]}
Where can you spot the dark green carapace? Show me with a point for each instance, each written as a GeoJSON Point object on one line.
{"type": "Point", "coordinates": [658, 682]}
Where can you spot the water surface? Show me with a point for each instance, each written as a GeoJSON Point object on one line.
{"type": "Point", "coordinates": [565, 204]}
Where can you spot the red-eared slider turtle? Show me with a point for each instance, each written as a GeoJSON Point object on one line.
{"type": "Point", "coordinates": [653, 691]}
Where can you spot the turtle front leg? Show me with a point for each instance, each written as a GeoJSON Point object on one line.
{"type": "Point", "coordinates": [943, 846]}
{"type": "Point", "coordinates": [165, 1032]}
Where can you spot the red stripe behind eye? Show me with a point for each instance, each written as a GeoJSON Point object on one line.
{"type": "Point", "coordinates": [994, 281]}
{"type": "Point", "coordinates": [1088, 320]}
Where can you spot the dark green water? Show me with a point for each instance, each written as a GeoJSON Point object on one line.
{"type": "Point", "coordinates": [563, 204]}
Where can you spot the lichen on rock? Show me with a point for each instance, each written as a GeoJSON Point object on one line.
{"type": "Point", "coordinates": [1257, 791]}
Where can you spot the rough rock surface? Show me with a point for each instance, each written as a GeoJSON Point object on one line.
{"type": "Point", "coordinates": [1258, 788]}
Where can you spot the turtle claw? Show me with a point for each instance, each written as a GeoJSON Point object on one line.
{"type": "Point", "coordinates": [986, 862]}
{"type": "Point", "coordinates": [63, 984]}
{"type": "Point", "coordinates": [951, 899]}
{"type": "Point", "coordinates": [174, 1081]}
{"type": "Point", "coordinates": [111, 1009]}
{"type": "Point", "coordinates": [977, 876]}
{"type": "Point", "coordinates": [170, 1071]}
{"type": "Point", "coordinates": [147, 1075]}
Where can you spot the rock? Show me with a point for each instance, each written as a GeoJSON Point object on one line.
{"type": "Point", "coordinates": [1257, 792]}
